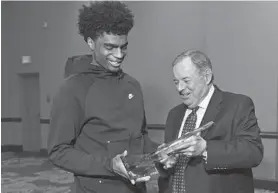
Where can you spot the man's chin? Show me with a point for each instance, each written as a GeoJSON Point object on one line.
{"type": "Point", "coordinates": [189, 104]}
{"type": "Point", "coordinates": [114, 69]}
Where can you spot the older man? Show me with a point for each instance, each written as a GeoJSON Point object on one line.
{"type": "Point", "coordinates": [219, 160]}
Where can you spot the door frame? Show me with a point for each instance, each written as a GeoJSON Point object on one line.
{"type": "Point", "coordinates": [21, 77]}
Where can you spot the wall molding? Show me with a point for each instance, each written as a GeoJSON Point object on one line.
{"type": "Point", "coordinates": [11, 148]}
{"type": "Point", "coordinates": [44, 121]}
{"type": "Point", "coordinates": [19, 120]}
{"type": "Point", "coordinates": [264, 134]}
{"type": "Point", "coordinates": [266, 184]}
{"type": "Point", "coordinates": [19, 150]}
{"type": "Point", "coordinates": [11, 119]}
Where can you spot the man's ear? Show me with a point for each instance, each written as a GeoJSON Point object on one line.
{"type": "Point", "coordinates": [208, 75]}
{"type": "Point", "coordinates": [91, 43]}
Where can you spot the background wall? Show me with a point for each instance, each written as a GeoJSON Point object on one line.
{"type": "Point", "coordinates": [161, 32]}
{"type": "Point", "coordinates": [239, 37]}
{"type": "Point", "coordinates": [241, 41]}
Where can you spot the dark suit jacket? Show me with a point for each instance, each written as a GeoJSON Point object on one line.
{"type": "Point", "coordinates": [233, 146]}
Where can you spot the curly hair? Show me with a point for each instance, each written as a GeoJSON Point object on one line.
{"type": "Point", "coordinates": [104, 16]}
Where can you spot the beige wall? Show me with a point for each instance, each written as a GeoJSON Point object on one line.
{"type": "Point", "coordinates": [242, 41]}
{"type": "Point", "coordinates": [161, 32]}
{"type": "Point", "coordinates": [23, 34]}
{"type": "Point", "coordinates": [240, 38]}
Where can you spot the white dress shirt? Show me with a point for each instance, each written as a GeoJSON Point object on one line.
{"type": "Point", "coordinates": [201, 111]}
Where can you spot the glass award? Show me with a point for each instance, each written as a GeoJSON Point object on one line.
{"type": "Point", "coordinates": [138, 166]}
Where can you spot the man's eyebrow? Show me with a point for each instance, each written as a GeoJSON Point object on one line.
{"type": "Point", "coordinates": [112, 45]}
{"type": "Point", "coordinates": [184, 78]}
{"type": "Point", "coordinates": [115, 45]}
{"type": "Point", "coordinates": [124, 45]}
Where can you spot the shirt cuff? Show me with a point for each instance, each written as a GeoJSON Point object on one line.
{"type": "Point", "coordinates": [205, 155]}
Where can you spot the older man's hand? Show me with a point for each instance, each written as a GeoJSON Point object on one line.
{"type": "Point", "coordinates": [194, 146]}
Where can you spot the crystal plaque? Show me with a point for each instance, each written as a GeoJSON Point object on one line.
{"type": "Point", "coordinates": [144, 165]}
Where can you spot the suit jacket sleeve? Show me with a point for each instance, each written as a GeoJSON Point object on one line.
{"type": "Point", "coordinates": [163, 180]}
{"type": "Point", "coordinates": [245, 150]}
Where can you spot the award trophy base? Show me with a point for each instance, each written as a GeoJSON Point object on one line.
{"type": "Point", "coordinates": [138, 166]}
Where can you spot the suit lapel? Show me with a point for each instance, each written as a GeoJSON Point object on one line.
{"type": "Point", "coordinates": [177, 124]}
{"type": "Point", "coordinates": [212, 109]}
{"type": "Point", "coordinates": [210, 115]}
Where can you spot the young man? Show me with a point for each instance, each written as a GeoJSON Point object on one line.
{"type": "Point", "coordinates": [220, 159]}
{"type": "Point", "coordinates": [99, 111]}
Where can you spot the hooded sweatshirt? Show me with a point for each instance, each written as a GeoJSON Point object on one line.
{"type": "Point", "coordinates": [96, 115]}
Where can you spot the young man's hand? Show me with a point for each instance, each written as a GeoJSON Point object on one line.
{"type": "Point", "coordinates": [119, 168]}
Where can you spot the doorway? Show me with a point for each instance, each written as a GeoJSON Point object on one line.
{"type": "Point", "coordinates": [30, 111]}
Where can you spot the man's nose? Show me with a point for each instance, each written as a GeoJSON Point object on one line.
{"type": "Point", "coordinates": [118, 53]}
{"type": "Point", "coordinates": [181, 86]}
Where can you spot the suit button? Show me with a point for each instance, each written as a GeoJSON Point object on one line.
{"type": "Point", "coordinates": [100, 181]}
{"type": "Point", "coordinates": [108, 141]}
